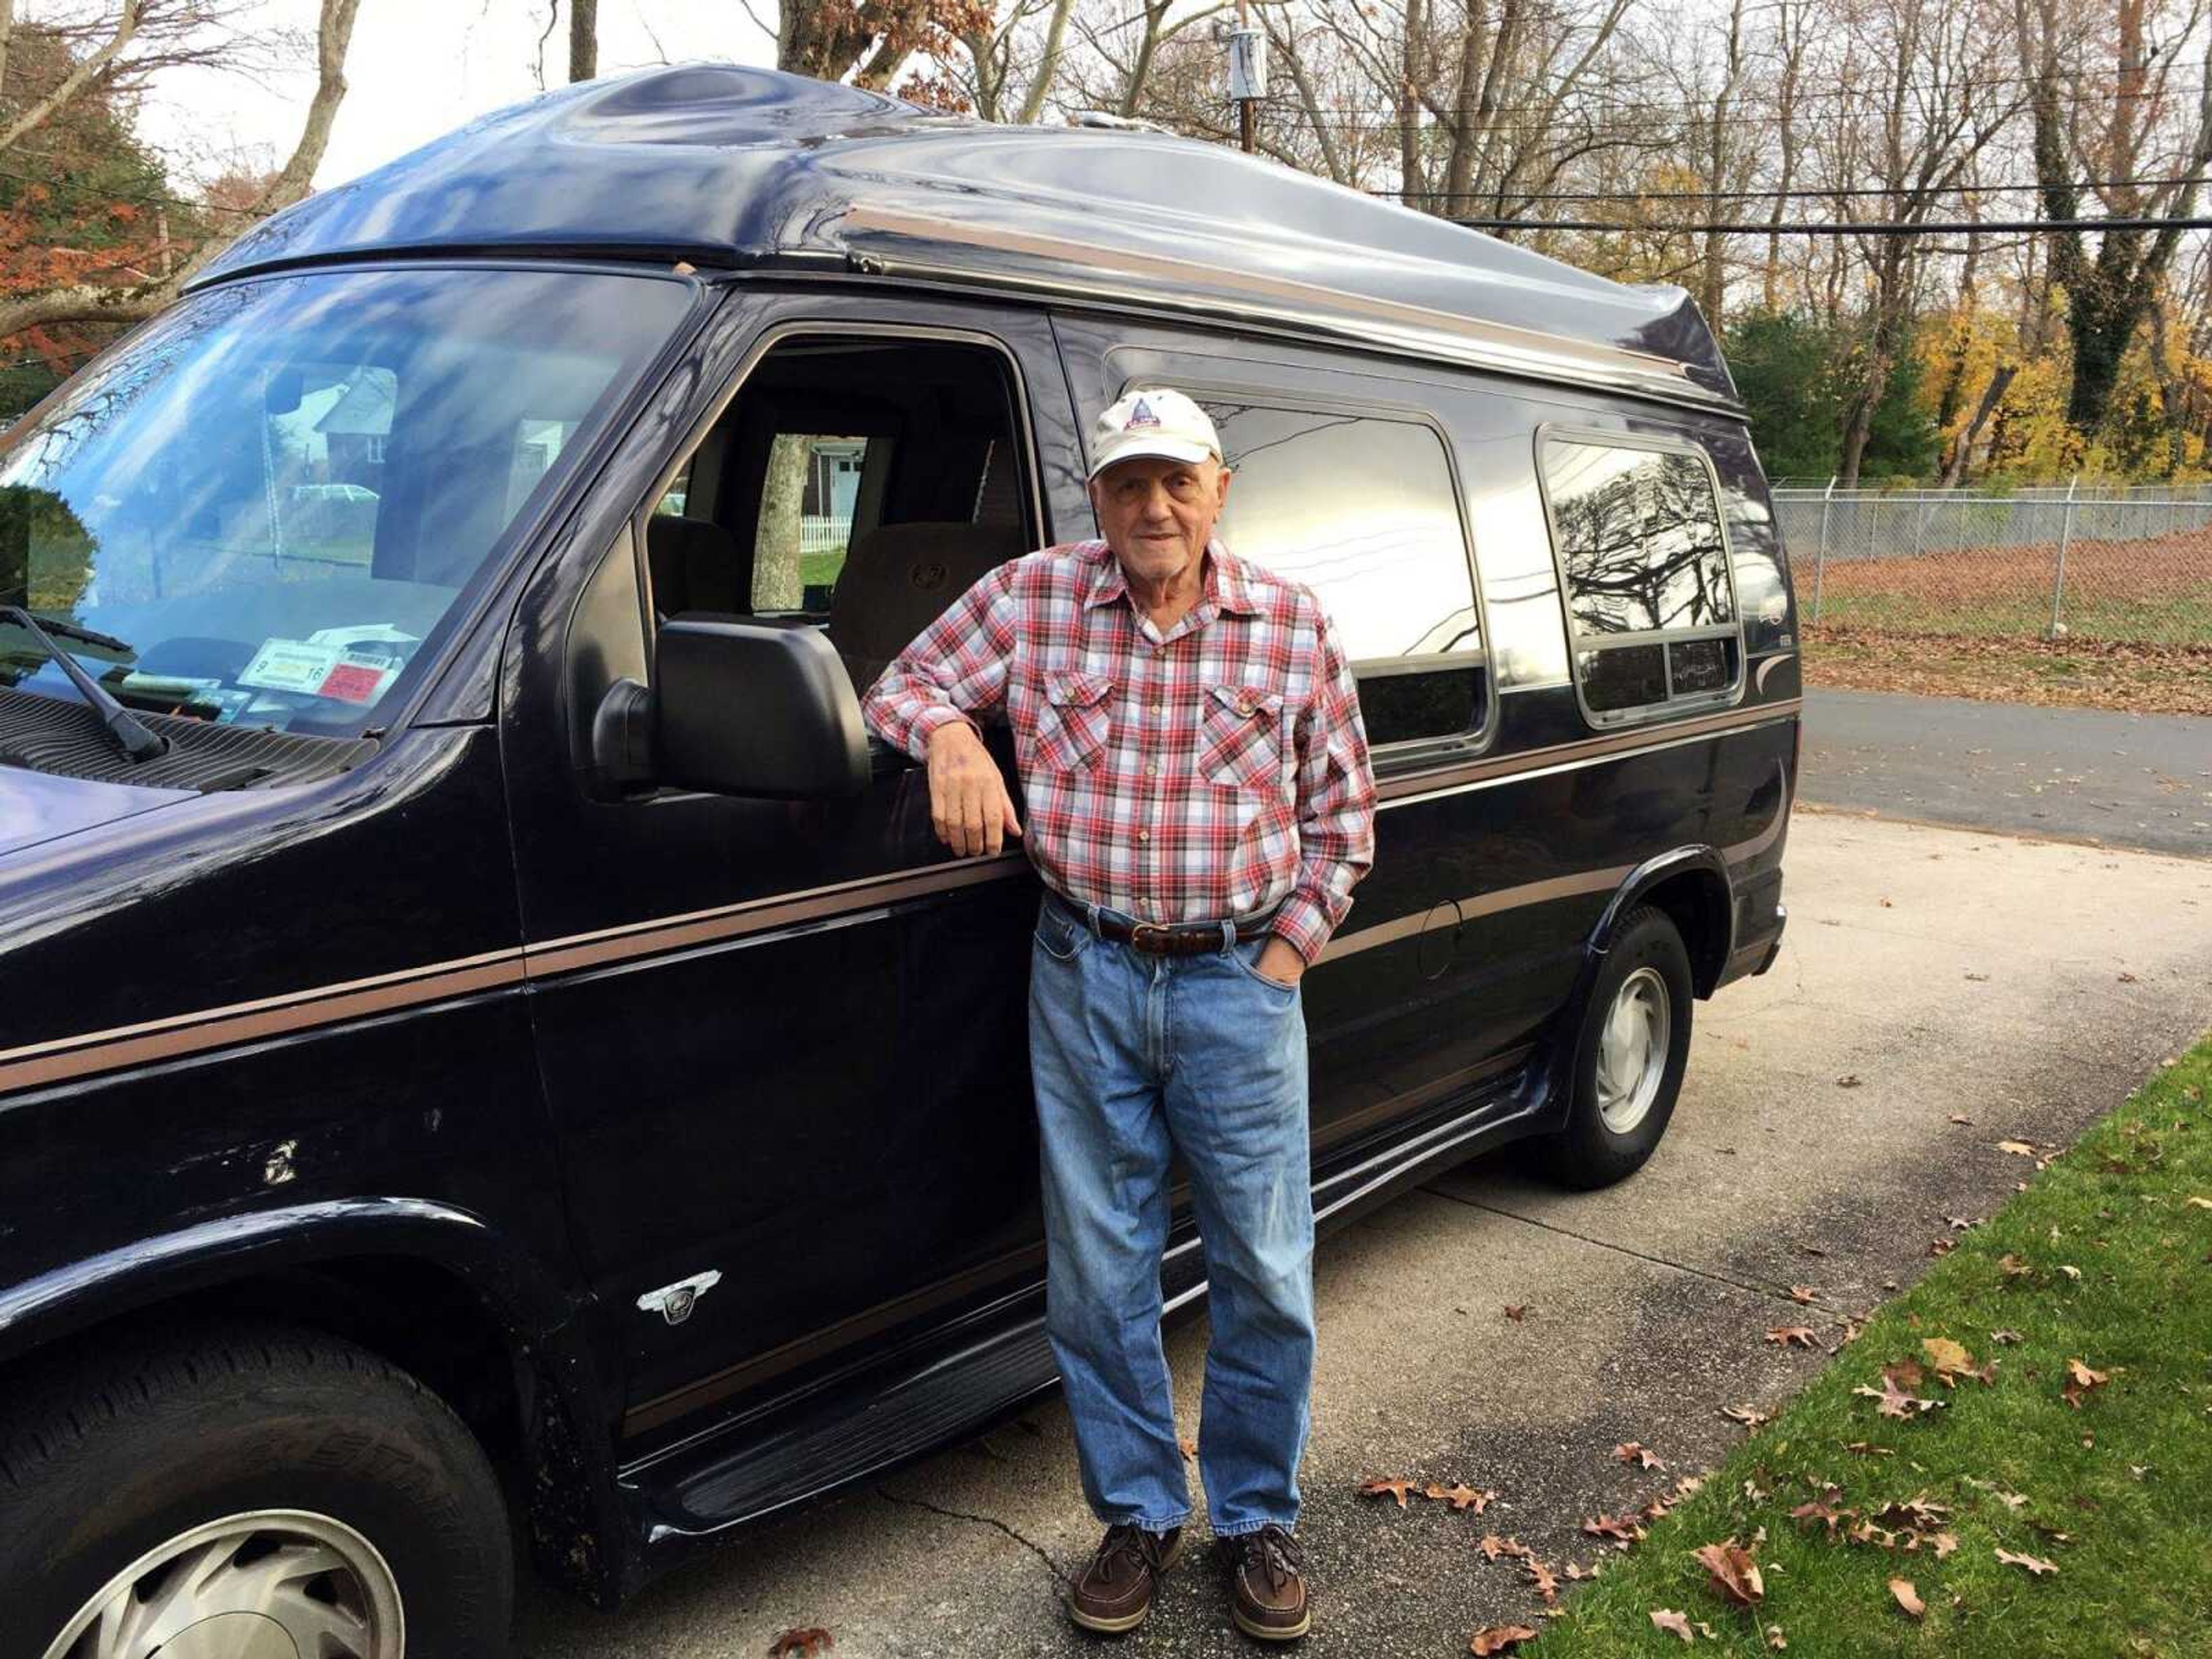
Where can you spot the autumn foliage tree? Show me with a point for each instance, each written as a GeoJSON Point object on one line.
{"type": "Point", "coordinates": [91, 239]}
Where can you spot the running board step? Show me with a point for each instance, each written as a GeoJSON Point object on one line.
{"type": "Point", "coordinates": [843, 1440]}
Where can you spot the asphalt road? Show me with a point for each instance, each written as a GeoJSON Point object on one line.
{"type": "Point", "coordinates": [2081, 774]}
{"type": "Point", "coordinates": [1914, 964]}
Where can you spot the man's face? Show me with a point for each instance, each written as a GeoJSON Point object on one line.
{"type": "Point", "coordinates": [1157, 515]}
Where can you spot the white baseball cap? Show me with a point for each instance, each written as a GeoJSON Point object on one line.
{"type": "Point", "coordinates": [1154, 421]}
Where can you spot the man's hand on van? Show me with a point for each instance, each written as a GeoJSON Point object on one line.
{"type": "Point", "coordinates": [968, 799]}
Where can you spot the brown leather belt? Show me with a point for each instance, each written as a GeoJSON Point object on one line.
{"type": "Point", "coordinates": [1173, 939]}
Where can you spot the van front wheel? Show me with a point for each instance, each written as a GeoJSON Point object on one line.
{"type": "Point", "coordinates": [251, 1491]}
{"type": "Point", "coordinates": [1628, 1059]}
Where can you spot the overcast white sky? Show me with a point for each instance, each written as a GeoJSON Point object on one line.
{"type": "Point", "coordinates": [419, 67]}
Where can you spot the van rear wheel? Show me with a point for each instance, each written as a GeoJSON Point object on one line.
{"type": "Point", "coordinates": [1629, 1056]}
{"type": "Point", "coordinates": [254, 1491]}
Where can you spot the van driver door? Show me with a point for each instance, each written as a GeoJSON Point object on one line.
{"type": "Point", "coordinates": [784, 1043]}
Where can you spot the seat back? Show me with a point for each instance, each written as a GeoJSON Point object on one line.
{"type": "Point", "coordinates": [694, 566]}
{"type": "Point", "coordinates": [899, 578]}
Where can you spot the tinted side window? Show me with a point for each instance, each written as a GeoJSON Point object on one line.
{"type": "Point", "coordinates": [1362, 510]}
{"type": "Point", "coordinates": [1649, 601]}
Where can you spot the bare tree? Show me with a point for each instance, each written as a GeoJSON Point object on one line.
{"type": "Point", "coordinates": [2103, 106]}
{"type": "Point", "coordinates": [1013, 59]}
{"type": "Point", "coordinates": [129, 302]}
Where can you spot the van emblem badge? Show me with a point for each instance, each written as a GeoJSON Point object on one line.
{"type": "Point", "coordinates": [928, 578]}
{"type": "Point", "coordinates": [674, 1303]}
{"type": "Point", "coordinates": [1142, 416]}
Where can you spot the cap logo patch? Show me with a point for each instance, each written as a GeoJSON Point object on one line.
{"type": "Point", "coordinates": [1141, 416]}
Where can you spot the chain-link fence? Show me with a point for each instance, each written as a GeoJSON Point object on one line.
{"type": "Point", "coordinates": [2131, 564]}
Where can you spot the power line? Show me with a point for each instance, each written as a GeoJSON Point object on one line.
{"type": "Point", "coordinates": [1933, 227]}
{"type": "Point", "coordinates": [1808, 195]}
{"type": "Point", "coordinates": [1702, 106]}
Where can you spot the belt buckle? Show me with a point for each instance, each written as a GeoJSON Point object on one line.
{"type": "Point", "coordinates": [1137, 932]}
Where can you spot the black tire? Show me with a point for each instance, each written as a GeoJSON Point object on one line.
{"type": "Point", "coordinates": [119, 1451]}
{"type": "Point", "coordinates": [1587, 1153]}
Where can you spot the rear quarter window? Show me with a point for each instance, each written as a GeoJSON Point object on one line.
{"type": "Point", "coordinates": [1651, 610]}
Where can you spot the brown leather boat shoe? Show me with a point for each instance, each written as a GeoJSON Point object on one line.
{"type": "Point", "coordinates": [1115, 1592]}
{"type": "Point", "coordinates": [1270, 1586]}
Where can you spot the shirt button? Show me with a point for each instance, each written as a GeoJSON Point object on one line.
{"type": "Point", "coordinates": [1143, 835]}
{"type": "Point", "coordinates": [1159, 708]}
{"type": "Point", "coordinates": [1151, 767]}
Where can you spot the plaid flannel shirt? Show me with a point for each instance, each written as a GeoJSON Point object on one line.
{"type": "Point", "coordinates": [1210, 771]}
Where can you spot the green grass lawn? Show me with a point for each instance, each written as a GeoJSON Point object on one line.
{"type": "Point", "coordinates": [2106, 1260]}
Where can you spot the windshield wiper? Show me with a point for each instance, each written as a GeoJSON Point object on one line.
{"type": "Point", "coordinates": [69, 630]}
{"type": "Point", "coordinates": [128, 732]}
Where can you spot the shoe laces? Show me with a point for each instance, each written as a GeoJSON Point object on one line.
{"type": "Point", "coordinates": [1125, 1541]}
{"type": "Point", "coordinates": [1275, 1553]}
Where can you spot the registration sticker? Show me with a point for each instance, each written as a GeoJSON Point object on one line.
{"type": "Point", "coordinates": [290, 666]}
{"type": "Point", "coordinates": [356, 682]}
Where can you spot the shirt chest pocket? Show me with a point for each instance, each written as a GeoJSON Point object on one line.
{"type": "Point", "coordinates": [1240, 738]}
{"type": "Point", "coordinates": [1074, 719]}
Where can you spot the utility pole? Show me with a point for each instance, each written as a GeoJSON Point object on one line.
{"type": "Point", "coordinates": [1247, 72]}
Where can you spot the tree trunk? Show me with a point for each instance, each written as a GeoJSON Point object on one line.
{"type": "Point", "coordinates": [777, 585]}
{"type": "Point", "coordinates": [583, 39]}
{"type": "Point", "coordinates": [1955, 474]}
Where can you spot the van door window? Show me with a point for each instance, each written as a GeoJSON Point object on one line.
{"type": "Point", "coordinates": [1650, 605]}
{"type": "Point", "coordinates": [1362, 509]}
{"type": "Point", "coordinates": [861, 482]}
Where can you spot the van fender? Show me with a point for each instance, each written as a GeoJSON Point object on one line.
{"type": "Point", "coordinates": [1698, 886]}
{"type": "Point", "coordinates": [573, 1506]}
{"type": "Point", "coordinates": [1691, 883]}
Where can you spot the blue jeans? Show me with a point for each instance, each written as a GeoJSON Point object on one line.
{"type": "Point", "coordinates": [1133, 1057]}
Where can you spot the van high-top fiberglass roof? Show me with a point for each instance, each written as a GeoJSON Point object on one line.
{"type": "Point", "coordinates": [736, 167]}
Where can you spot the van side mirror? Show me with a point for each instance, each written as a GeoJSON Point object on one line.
{"type": "Point", "coordinates": [739, 706]}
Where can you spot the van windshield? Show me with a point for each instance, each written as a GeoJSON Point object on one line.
{"type": "Point", "coordinates": [269, 505]}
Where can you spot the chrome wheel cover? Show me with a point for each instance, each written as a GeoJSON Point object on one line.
{"type": "Point", "coordinates": [1633, 1049]}
{"type": "Point", "coordinates": [266, 1584]}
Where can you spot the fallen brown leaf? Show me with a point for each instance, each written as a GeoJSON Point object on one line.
{"type": "Point", "coordinates": [1634, 1451]}
{"type": "Point", "coordinates": [1734, 1574]}
{"type": "Point", "coordinates": [1499, 1637]}
{"type": "Point", "coordinates": [2017, 1148]}
{"type": "Point", "coordinates": [1775, 1638]}
{"type": "Point", "coordinates": [1848, 1080]}
{"type": "Point", "coordinates": [2080, 1380]}
{"type": "Point", "coordinates": [1381, 1487]}
{"type": "Point", "coordinates": [1907, 1597]}
{"type": "Point", "coordinates": [1945, 1542]}
{"type": "Point", "coordinates": [1622, 1529]}
{"type": "Point", "coordinates": [1783, 1335]}
{"type": "Point", "coordinates": [1513, 1310]}
{"type": "Point", "coordinates": [1461, 1497]}
{"type": "Point", "coordinates": [2037, 1567]}
{"type": "Point", "coordinates": [1667, 1620]}
{"type": "Point", "coordinates": [1492, 1545]}
{"type": "Point", "coordinates": [1547, 1584]}
{"type": "Point", "coordinates": [1950, 1359]}
{"type": "Point", "coordinates": [801, 1644]}
{"type": "Point", "coordinates": [1895, 1401]}
{"type": "Point", "coordinates": [1960, 1117]}
{"type": "Point", "coordinates": [1750, 1416]}
{"type": "Point", "coordinates": [1189, 1447]}
{"type": "Point", "coordinates": [1803, 1293]}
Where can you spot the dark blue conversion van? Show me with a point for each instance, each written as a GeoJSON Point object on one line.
{"type": "Point", "coordinates": [474, 1004]}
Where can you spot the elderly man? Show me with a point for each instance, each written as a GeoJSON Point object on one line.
{"type": "Point", "coordinates": [1199, 806]}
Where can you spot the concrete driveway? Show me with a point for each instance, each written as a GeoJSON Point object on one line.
{"type": "Point", "coordinates": [2025, 984]}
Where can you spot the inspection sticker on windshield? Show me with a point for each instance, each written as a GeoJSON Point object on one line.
{"type": "Point", "coordinates": [357, 682]}
{"type": "Point", "coordinates": [291, 666]}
